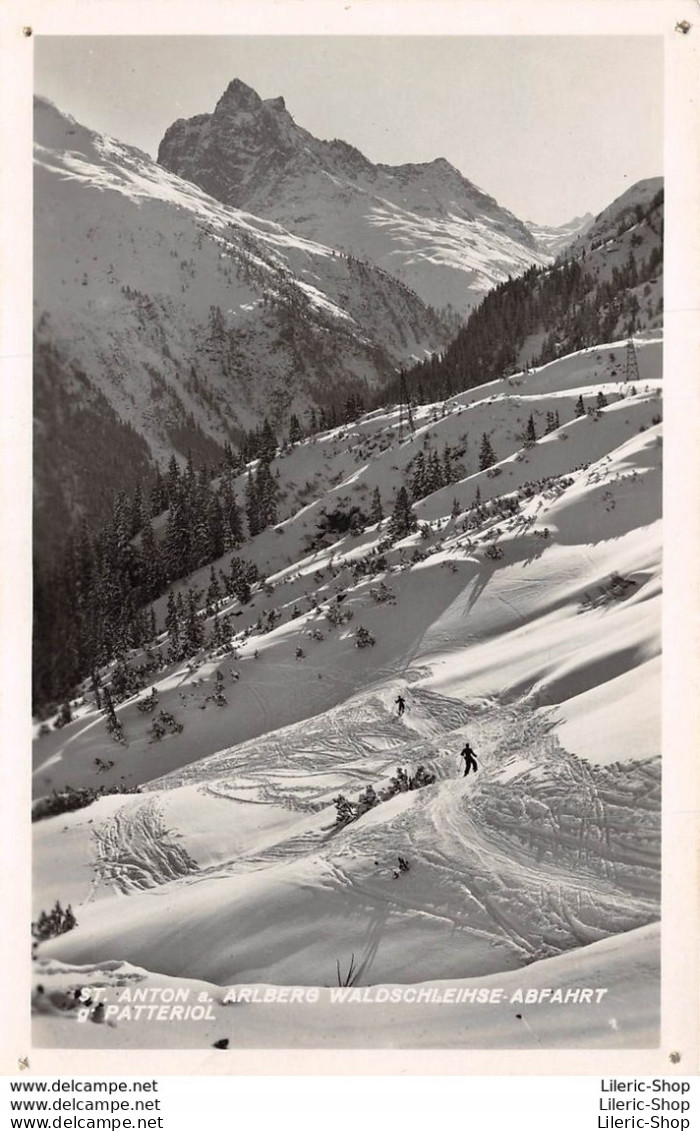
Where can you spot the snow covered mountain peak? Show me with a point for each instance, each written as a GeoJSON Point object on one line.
{"type": "Point", "coordinates": [425, 223]}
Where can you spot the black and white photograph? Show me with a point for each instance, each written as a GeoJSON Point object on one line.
{"type": "Point", "coordinates": [347, 665]}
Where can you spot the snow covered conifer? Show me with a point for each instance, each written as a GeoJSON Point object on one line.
{"type": "Point", "coordinates": [268, 442]}
{"type": "Point", "coordinates": [364, 638]}
{"type": "Point", "coordinates": [367, 800]}
{"type": "Point", "coordinates": [345, 811]}
{"type": "Point", "coordinates": [136, 510]}
{"type": "Point", "coordinates": [213, 591]}
{"type": "Point", "coordinates": [447, 470]}
{"type": "Point", "coordinates": [296, 434]}
{"type": "Point", "coordinates": [114, 727]}
{"type": "Point", "coordinates": [158, 499]}
{"type": "Point", "coordinates": [173, 481]}
{"type": "Point", "coordinates": [402, 521]}
{"type": "Point", "coordinates": [434, 473]}
{"type": "Point", "coordinates": [194, 633]}
{"type": "Point", "coordinates": [266, 491]}
{"type": "Point", "coordinates": [172, 625]}
{"type": "Point", "coordinates": [152, 561]}
{"type": "Point", "coordinates": [214, 541]}
{"type": "Point", "coordinates": [231, 512]}
{"type": "Point", "coordinates": [487, 456]}
{"type": "Point", "coordinates": [419, 480]}
{"type": "Point", "coordinates": [376, 514]}
{"type": "Point", "coordinates": [64, 715]}
{"type": "Point", "coordinates": [252, 508]}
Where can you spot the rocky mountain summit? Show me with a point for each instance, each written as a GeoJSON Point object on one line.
{"type": "Point", "coordinates": [425, 223]}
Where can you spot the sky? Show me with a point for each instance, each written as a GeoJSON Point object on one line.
{"type": "Point", "coordinates": [551, 126]}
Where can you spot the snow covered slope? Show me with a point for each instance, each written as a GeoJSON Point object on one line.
{"type": "Point", "coordinates": [556, 239]}
{"type": "Point", "coordinates": [424, 223]}
{"type": "Point", "coordinates": [522, 616]}
{"type": "Point", "coordinates": [163, 311]}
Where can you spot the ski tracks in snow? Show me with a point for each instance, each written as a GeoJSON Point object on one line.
{"type": "Point", "coordinates": [538, 852]}
{"type": "Point", "coordinates": [134, 850]}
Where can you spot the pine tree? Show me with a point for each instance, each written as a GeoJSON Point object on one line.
{"type": "Point", "coordinates": [367, 800]}
{"type": "Point", "coordinates": [268, 443]}
{"type": "Point", "coordinates": [172, 483]}
{"type": "Point", "coordinates": [231, 512]}
{"type": "Point", "coordinates": [114, 727]}
{"type": "Point", "coordinates": [487, 456]}
{"type": "Point", "coordinates": [419, 482]}
{"type": "Point", "coordinates": [177, 544]}
{"type": "Point", "coordinates": [530, 432]}
{"type": "Point", "coordinates": [601, 400]}
{"type": "Point", "coordinates": [266, 491]}
{"type": "Point", "coordinates": [152, 563]}
{"type": "Point", "coordinates": [136, 510]}
{"type": "Point", "coordinates": [433, 475]}
{"type": "Point", "coordinates": [193, 631]}
{"type": "Point", "coordinates": [65, 715]}
{"type": "Point", "coordinates": [252, 509]}
{"type": "Point", "coordinates": [402, 521]}
{"type": "Point", "coordinates": [579, 407]}
{"type": "Point", "coordinates": [158, 497]}
{"type": "Point", "coordinates": [376, 513]}
{"type": "Point", "coordinates": [69, 920]}
{"type": "Point", "coordinates": [296, 433]}
{"type": "Point", "coordinates": [447, 472]}
{"type": "Point", "coordinates": [213, 592]}
{"type": "Point", "coordinates": [216, 535]}
{"type": "Point", "coordinates": [364, 638]}
{"type": "Point", "coordinates": [345, 811]}
{"type": "Point", "coordinates": [172, 625]}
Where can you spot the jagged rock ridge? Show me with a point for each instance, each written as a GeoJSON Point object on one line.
{"type": "Point", "coordinates": [425, 223]}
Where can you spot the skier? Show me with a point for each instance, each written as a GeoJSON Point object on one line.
{"type": "Point", "coordinates": [469, 756]}
{"type": "Point", "coordinates": [401, 704]}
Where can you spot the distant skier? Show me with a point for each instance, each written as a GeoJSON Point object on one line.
{"type": "Point", "coordinates": [470, 762]}
{"type": "Point", "coordinates": [401, 704]}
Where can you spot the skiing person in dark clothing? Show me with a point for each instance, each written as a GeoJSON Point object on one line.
{"type": "Point", "coordinates": [401, 704]}
{"type": "Point", "coordinates": [470, 762]}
